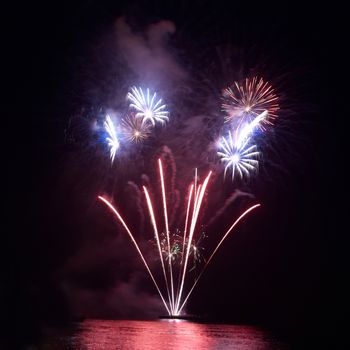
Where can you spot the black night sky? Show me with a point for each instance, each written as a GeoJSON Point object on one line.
{"type": "Point", "coordinates": [67, 259]}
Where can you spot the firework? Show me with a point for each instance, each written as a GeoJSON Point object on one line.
{"type": "Point", "coordinates": [112, 139]}
{"type": "Point", "coordinates": [148, 108]}
{"type": "Point", "coordinates": [173, 245]}
{"type": "Point", "coordinates": [121, 220]}
{"type": "Point", "coordinates": [134, 130]}
{"type": "Point", "coordinates": [176, 247]}
{"type": "Point", "coordinates": [197, 251]}
{"type": "Point", "coordinates": [239, 156]}
{"type": "Point", "coordinates": [179, 309]}
{"type": "Point", "coordinates": [250, 99]}
{"type": "Point", "coordinates": [167, 229]}
{"type": "Point", "coordinates": [246, 129]}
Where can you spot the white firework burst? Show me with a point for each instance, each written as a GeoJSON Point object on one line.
{"type": "Point", "coordinates": [239, 156]}
{"type": "Point", "coordinates": [112, 139]}
{"type": "Point", "coordinates": [148, 107]}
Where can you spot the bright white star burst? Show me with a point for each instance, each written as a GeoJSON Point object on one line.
{"type": "Point", "coordinates": [239, 156]}
{"type": "Point", "coordinates": [148, 107]}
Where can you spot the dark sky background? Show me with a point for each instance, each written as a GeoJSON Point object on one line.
{"type": "Point", "coordinates": [68, 259]}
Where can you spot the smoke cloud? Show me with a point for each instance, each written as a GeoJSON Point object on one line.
{"type": "Point", "coordinates": [146, 54]}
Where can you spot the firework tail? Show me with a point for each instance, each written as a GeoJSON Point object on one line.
{"type": "Point", "coordinates": [111, 207]}
{"type": "Point", "coordinates": [184, 238]}
{"type": "Point", "coordinates": [167, 231]}
{"type": "Point", "coordinates": [196, 209]}
{"type": "Point", "coordinates": [182, 270]}
{"type": "Point", "coordinates": [187, 213]}
{"type": "Point", "coordinates": [156, 234]}
{"type": "Point", "coordinates": [215, 250]}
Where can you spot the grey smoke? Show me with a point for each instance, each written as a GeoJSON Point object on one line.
{"type": "Point", "coordinates": [146, 55]}
{"type": "Point", "coordinates": [124, 300]}
{"type": "Point", "coordinates": [235, 195]}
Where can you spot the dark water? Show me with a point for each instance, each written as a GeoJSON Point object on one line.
{"type": "Point", "coordinates": [162, 334]}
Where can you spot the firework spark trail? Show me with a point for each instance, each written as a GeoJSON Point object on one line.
{"type": "Point", "coordinates": [111, 207]}
{"type": "Point", "coordinates": [187, 213]}
{"type": "Point", "coordinates": [215, 250]}
{"type": "Point", "coordinates": [196, 209]}
{"type": "Point", "coordinates": [244, 132]}
{"type": "Point", "coordinates": [167, 230]}
{"type": "Point", "coordinates": [189, 243]}
{"type": "Point", "coordinates": [184, 239]}
{"type": "Point", "coordinates": [186, 249]}
{"type": "Point", "coordinates": [156, 234]}
{"type": "Point", "coordinates": [112, 139]}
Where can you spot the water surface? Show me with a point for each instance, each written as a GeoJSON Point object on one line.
{"type": "Point", "coordinates": [162, 334]}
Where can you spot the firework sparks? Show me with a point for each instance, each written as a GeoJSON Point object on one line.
{"type": "Point", "coordinates": [246, 130]}
{"type": "Point", "coordinates": [112, 139]}
{"type": "Point", "coordinates": [176, 248]}
{"type": "Point", "coordinates": [250, 99]}
{"type": "Point", "coordinates": [134, 130]}
{"type": "Point", "coordinates": [196, 208]}
{"type": "Point", "coordinates": [176, 244]}
{"type": "Point", "coordinates": [167, 229]}
{"type": "Point", "coordinates": [149, 108]}
{"type": "Point", "coordinates": [214, 251]}
{"type": "Point", "coordinates": [238, 155]}
{"type": "Point", "coordinates": [121, 220]}
{"type": "Point", "coordinates": [156, 234]}
{"type": "Point", "coordinates": [197, 252]}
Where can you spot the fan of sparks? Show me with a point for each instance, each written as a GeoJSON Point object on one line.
{"type": "Point", "coordinates": [175, 288]}
{"type": "Point", "coordinates": [247, 100]}
{"type": "Point", "coordinates": [238, 156]}
{"type": "Point", "coordinates": [148, 107]}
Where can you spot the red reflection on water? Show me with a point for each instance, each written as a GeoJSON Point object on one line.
{"type": "Point", "coordinates": [136, 335]}
{"type": "Point", "coordinates": [169, 334]}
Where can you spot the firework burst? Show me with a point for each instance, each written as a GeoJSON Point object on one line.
{"type": "Point", "coordinates": [247, 100]}
{"type": "Point", "coordinates": [148, 108]}
{"type": "Point", "coordinates": [134, 130]}
{"type": "Point", "coordinates": [113, 141]}
{"type": "Point", "coordinates": [238, 154]}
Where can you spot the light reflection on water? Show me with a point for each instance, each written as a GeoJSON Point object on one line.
{"type": "Point", "coordinates": [163, 334]}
